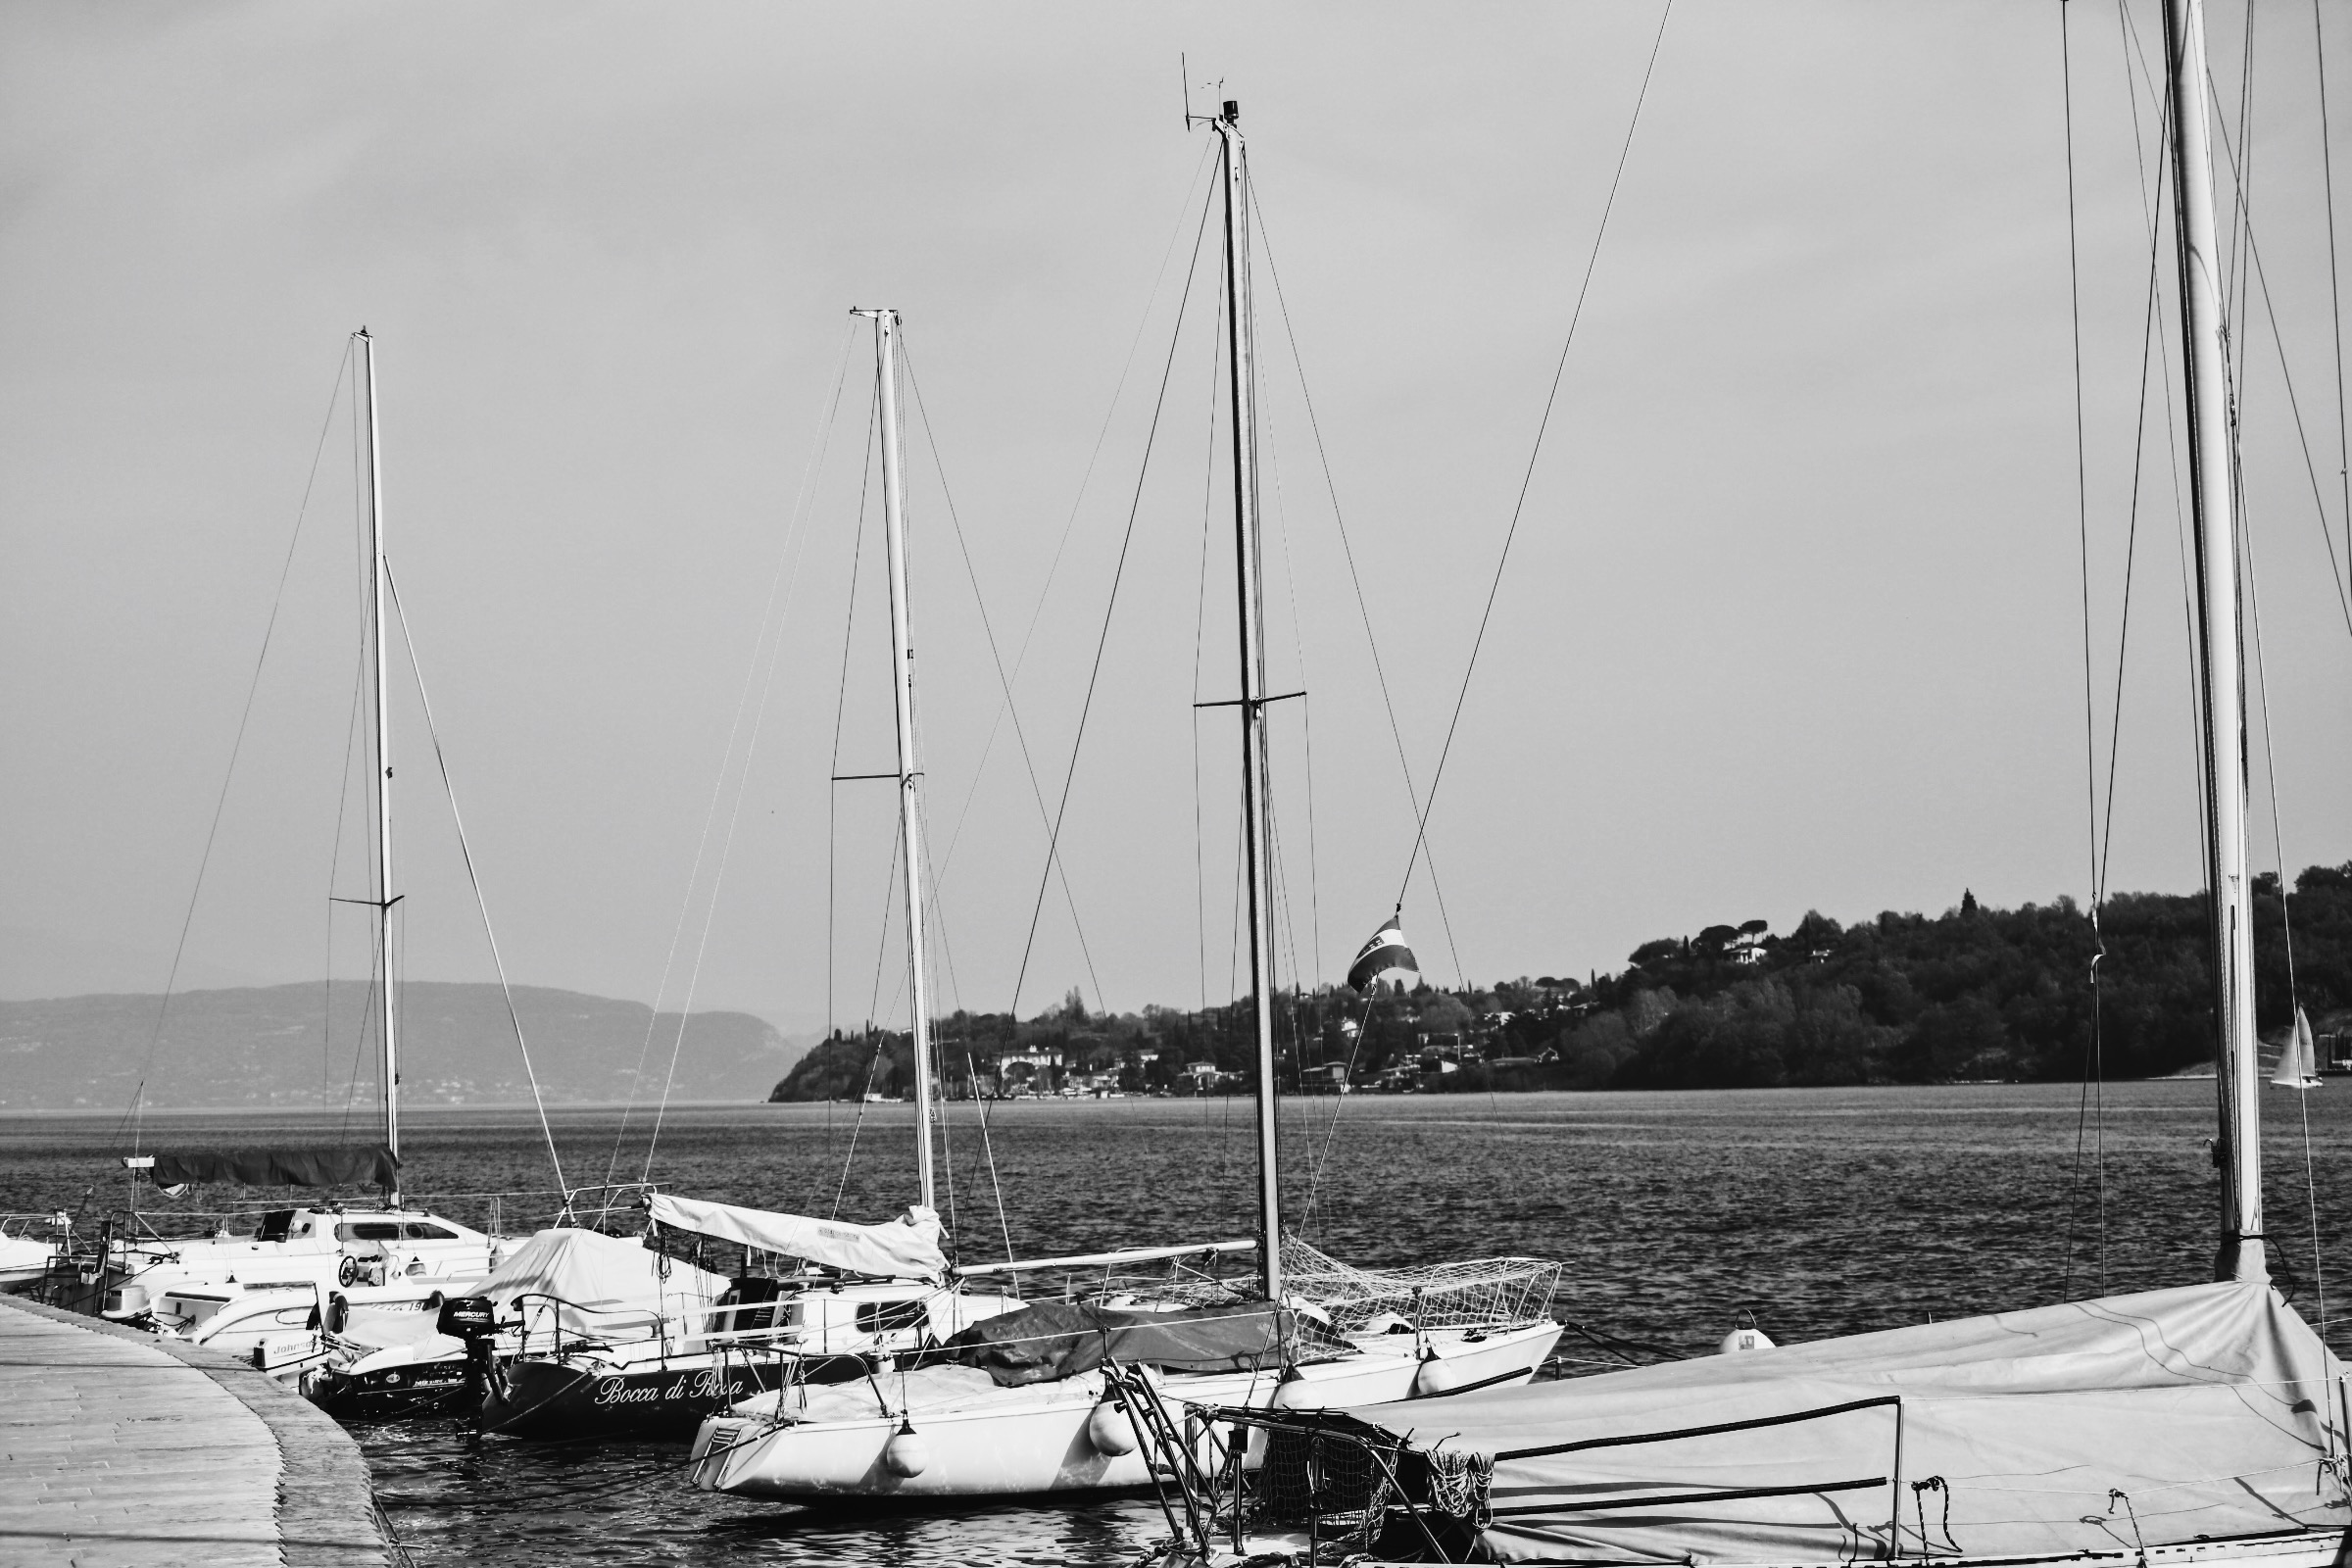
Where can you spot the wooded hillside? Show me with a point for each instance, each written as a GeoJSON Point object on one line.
{"type": "Point", "coordinates": [1969, 994]}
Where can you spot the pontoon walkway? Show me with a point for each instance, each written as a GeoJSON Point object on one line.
{"type": "Point", "coordinates": [119, 1449]}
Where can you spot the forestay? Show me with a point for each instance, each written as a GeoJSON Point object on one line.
{"type": "Point", "coordinates": [2212, 1409]}
{"type": "Point", "coordinates": [907, 1248]}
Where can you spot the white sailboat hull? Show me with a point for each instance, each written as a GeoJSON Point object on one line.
{"type": "Point", "coordinates": [1015, 1448]}
{"type": "Point", "coordinates": [982, 1454]}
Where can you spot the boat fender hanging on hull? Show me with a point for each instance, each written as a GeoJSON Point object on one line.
{"type": "Point", "coordinates": [906, 1456]}
{"type": "Point", "coordinates": [1110, 1429]}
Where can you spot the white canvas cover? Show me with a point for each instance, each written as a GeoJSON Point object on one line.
{"type": "Point", "coordinates": [906, 1248]}
{"type": "Point", "coordinates": [609, 1285]}
{"type": "Point", "coordinates": [2207, 1405]}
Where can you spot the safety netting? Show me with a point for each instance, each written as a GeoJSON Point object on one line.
{"type": "Point", "coordinates": [1477, 1292]}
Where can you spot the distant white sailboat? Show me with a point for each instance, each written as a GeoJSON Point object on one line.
{"type": "Point", "coordinates": [2298, 1057]}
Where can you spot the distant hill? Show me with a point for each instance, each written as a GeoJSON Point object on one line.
{"type": "Point", "coordinates": [280, 1046]}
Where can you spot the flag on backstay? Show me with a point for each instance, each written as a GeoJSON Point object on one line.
{"type": "Point", "coordinates": [1387, 955]}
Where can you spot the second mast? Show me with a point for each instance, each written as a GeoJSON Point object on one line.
{"type": "Point", "coordinates": [910, 816]}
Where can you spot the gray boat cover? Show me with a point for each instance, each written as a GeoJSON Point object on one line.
{"type": "Point", "coordinates": [597, 1285]}
{"type": "Point", "coordinates": [906, 1248]}
{"type": "Point", "coordinates": [361, 1166]}
{"type": "Point", "coordinates": [2208, 1406]}
{"type": "Point", "coordinates": [1057, 1340]}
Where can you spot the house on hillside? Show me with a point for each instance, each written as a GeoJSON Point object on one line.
{"type": "Point", "coordinates": [1029, 1070]}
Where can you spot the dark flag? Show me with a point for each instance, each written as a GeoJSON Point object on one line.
{"type": "Point", "coordinates": [1385, 956]}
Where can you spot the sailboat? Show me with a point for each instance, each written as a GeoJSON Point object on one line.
{"type": "Point", "coordinates": [2200, 1424]}
{"type": "Point", "coordinates": [1031, 1401]}
{"type": "Point", "coordinates": [2298, 1057]}
{"type": "Point", "coordinates": [265, 1292]}
{"type": "Point", "coordinates": [847, 1297]}
{"type": "Point", "coordinates": [818, 1302]}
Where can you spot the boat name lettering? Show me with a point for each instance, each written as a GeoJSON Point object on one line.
{"type": "Point", "coordinates": [707, 1384]}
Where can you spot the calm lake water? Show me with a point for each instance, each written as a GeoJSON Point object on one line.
{"type": "Point", "coordinates": [1821, 1213]}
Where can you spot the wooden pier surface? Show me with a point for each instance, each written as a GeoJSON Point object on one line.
{"type": "Point", "coordinates": [119, 1449]}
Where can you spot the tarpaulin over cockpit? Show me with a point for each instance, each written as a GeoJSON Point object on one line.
{"type": "Point", "coordinates": [598, 1285]}
{"type": "Point", "coordinates": [2208, 1407]}
{"type": "Point", "coordinates": [1055, 1340]}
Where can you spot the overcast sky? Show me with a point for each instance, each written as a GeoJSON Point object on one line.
{"type": "Point", "coordinates": [1793, 619]}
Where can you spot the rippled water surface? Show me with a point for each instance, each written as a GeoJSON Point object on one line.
{"type": "Point", "coordinates": [1821, 1212]}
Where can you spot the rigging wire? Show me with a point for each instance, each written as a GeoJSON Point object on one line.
{"type": "Point", "coordinates": [2094, 1059]}
{"type": "Point", "coordinates": [827, 416]}
{"type": "Point", "coordinates": [473, 878]}
{"type": "Point", "coordinates": [850, 1159]}
{"type": "Point", "coordinates": [334, 871]}
{"type": "Point", "coordinates": [1550, 401]}
{"type": "Point", "coordinates": [2335, 299]}
{"type": "Point", "coordinates": [2287, 378]}
{"type": "Point", "coordinates": [1004, 681]}
{"type": "Point", "coordinates": [988, 1151]}
{"type": "Point", "coordinates": [2269, 768]}
{"type": "Point", "coordinates": [780, 586]}
{"type": "Point", "coordinates": [1208, 492]}
{"type": "Point", "coordinates": [1109, 607]}
{"type": "Point", "coordinates": [2136, 51]}
{"type": "Point", "coordinates": [841, 702]}
{"type": "Point", "coordinates": [136, 1114]}
{"type": "Point", "coordinates": [1037, 612]}
{"type": "Point", "coordinates": [1412, 795]}
{"type": "Point", "coordinates": [1290, 584]}
{"type": "Point", "coordinates": [2150, 349]}
{"type": "Point", "coordinates": [890, 916]}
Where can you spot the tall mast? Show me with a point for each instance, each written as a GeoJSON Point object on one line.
{"type": "Point", "coordinates": [384, 899]}
{"type": "Point", "coordinates": [2211, 471]}
{"type": "Point", "coordinates": [1257, 841]}
{"type": "Point", "coordinates": [910, 816]}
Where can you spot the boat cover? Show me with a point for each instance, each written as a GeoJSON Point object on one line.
{"type": "Point", "coordinates": [603, 1284]}
{"type": "Point", "coordinates": [346, 1166]}
{"type": "Point", "coordinates": [1057, 1340]}
{"type": "Point", "coordinates": [375, 1332]}
{"type": "Point", "coordinates": [2207, 1406]}
{"type": "Point", "coordinates": [906, 1248]}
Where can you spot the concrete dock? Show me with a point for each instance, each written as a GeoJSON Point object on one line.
{"type": "Point", "coordinates": [120, 1448]}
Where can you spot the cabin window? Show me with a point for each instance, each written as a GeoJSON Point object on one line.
{"type": "Point", "coordinates": [274, 1225]}
{"type": "Point", "coordinates": [378, 1230]}
{"type": "Point", "coordinates": [889, 1317]}
{"type": "Point", "coordinates": [430, 1233]}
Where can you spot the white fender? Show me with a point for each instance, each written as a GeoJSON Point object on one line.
{"type": "Point", "coordinates": [1110, 1429]}
{"type": "Point", "coordinates": [906, 1454]}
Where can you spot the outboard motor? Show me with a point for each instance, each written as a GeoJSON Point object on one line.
{"type": "Point", "coordinates": [467, 1317]}
{"type": "Point", "coordinates": [473, 1319]}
